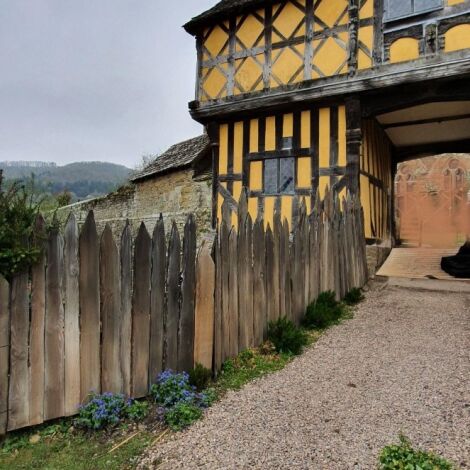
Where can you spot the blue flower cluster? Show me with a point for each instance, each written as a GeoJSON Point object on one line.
{"type": "Point", "coordinates": [173, 388]}
{"type": "Point", "coordinates": [109, 409]}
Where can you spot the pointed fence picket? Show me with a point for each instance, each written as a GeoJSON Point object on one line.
{"type": "Point", "coordinates": [101, 314]}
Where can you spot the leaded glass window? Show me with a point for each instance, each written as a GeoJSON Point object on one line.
{"type": "Point", "coordinates": [279, 175]}
{"type": "Point", "coordinates": [395, 9]}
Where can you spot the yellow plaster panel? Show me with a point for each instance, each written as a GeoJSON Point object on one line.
{"type": "Point", "coordinates": [366, 36]}
{"type": "Point", "coordinates": [322, 185]}
{"type": "Point", "coordinates": [216, 43]}
{"type": "Point", "coordinates": [404, 49]}
{"type": "Point", "coordinates": [286, 209]}
{"type": "Point", "coordinates": [256, 176]}
{"type": "Point", "coordinates": [367, 10]}
{"type": "Point", "coordinates": [237, 191]}
{"type": "Point", "coordinates": [454, 2]}
{"type": "Point", "coordinates": [332, 12]}
{"type": "Point", "coordinates": [249, 32]}
{"type": "Point", "coordinates": [365, 200]}
{"type": "Point", "coordinates": [285, 65]}
{"type": "Point", "coordinates": [253, 207]}
{"type": "Point", "coordinates": [324, 150]}
{"type": "Point", "coordinates": [304, 172]}
{"type": "Point", "coordinates": [288, 125]}
{"type": "Point", "coordinates": [223, 149]}
{"type": "Point", "coordinates": [457, 38]}
{"type": "Point", "coordinates": [289, 19]}
{"type": "Point", "coordinates": [238, 148]}
{"type": "Point", "coordinates": [270, 142]}
{"type": "Point", "coordinates": [249, 74]}
{"type": "Point", "coordinates": [254, 147]}
{"type": "Point", "coordinates": [269, 211]}
{"type": "Point", "coordinates": [342, 136]}
{"type": "Point", "coordinates": [305, 129]}
{"type": "Point", "coordinates": [329, 56]}
{"type": "Point", "coordinates": [214, 82]}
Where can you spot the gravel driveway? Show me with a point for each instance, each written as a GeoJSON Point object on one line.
{"type": "Point", "coordinates": [402, 364]}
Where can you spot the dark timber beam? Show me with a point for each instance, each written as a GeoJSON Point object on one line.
{"type": "Point", "coordinates": [353, 143]}
{"type": "Point", "coordinates": [403, 154]}
{"type": "Point", "coordinates": [426, 121]}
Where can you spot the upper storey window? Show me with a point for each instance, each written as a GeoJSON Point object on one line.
{"type": "Point", "coordinates": [396, 9]}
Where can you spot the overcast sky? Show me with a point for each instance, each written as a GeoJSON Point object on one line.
{"type": "Point", "coordinates": [101, 80]}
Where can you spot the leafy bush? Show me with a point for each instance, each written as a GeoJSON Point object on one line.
{"type": "Point", "coordinates": [18, 211]}
{"type": "Point", "coordinates": [200, 377]}
{"type": "Point", "coordinates": [404, 457]}
{"type": "Point", "coordinates": [286, 337]}
{"type": "Point", "coordinates": [324, 311]}
{"type": "Point", "coordinates": [182, 415]}
{"type": "Point", "coordinates": [108, 410]}
{"type": "Point", "coordinates": [353, 297]}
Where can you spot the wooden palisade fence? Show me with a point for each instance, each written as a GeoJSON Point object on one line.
{"type": "Point", "coordinates": [96, 315]}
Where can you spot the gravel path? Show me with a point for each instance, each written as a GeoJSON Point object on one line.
{"type": "Point", "coordinates": [402, 364]}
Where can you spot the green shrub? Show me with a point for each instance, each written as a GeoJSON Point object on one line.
{"type": "Point", "coordinates": [404, 457]}
{"type": "Point", "coordinates": [286, 337]}
{"type": "Point", "coordinates": [353, 297]}
{"type": "Point", "coordinates": [137, 410]}
{"type": "Point", "coordinates": [324, 311]}
{"type": "Point", "coordinates": [200, 377]}
{"type": "Point", "coordinates": [182, 415]}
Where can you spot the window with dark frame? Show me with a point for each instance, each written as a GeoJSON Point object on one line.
{"type": "Point", "coordinates": [397, 9]}
{"type": "Point", "coordinates": [279, 176]}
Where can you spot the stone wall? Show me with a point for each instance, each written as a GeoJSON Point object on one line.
{"type": "Point", "coordinates": [174, 195]}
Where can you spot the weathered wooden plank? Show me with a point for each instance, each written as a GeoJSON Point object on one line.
{"type": "Point", "coordinates": [4, 351]}
{"type": "Point", "coordinates": [287, 267]}
{"type": "Point", "coordinates": [269, 275]}
{"type": "Point", "coordinates": [276, 265]}
{"type": "Point", "coordinates": [36, 334]}
{"type": "Point", "coordinates": [173, 299]}
{"type": "Point", "coordinates": [54, 366]}
{"type": "Point", "coordinates": [126, 309]}
{"type": "Point", "coordinates": [218, 306]}
{"type": "Point", "coordinates": [188, 291]}
{"type": "Point", "coordinates": [225, 291]}
{"type": "Point", "coordinates": [141, 314]}
{"type": "Point", "coordinates": [233, 309]}
{"type": "Point", "coordinates": [90, 330]}
{"type": "Point", "coordinates": [18, 396]}
{"type": "Point", "coordinates": [249, 318]}
{"type": "Point", "coordinates": [283, 257]}
{"type": "Point", "coordinates": [204, 315]}
{"type": "Point", "coordinates": [71, 317]}
{"type": "Point", "coordinates": [243, 337]}
{"type": "Point", "coordinates": [110, 299]}
{"type": "Point", "coordinates": [297, 278]}
{"type": "Point", "coordinates": [157, 300]}
{"type": "Point", "coordinates": [259, 283]}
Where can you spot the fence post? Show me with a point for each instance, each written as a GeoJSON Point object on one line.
{"type": "Point", "coordinates": [157, 300]}
{"type": "Point", "coordinates": [89, 287]}
{"type": "Point", "coordinates": [4, 351]}
{"type": "Point", "coordinates": [188, 290]}
{"type": "Point", "coordinates": [110, 298]}
{"type": "Point", "coordinates": [204, 315]}
{"type": "Point", "coordinates": [141, 314]}
{"type": "Point", "coordinates": [233, 313]}
{"type": "Point", "coordinates": [72, 317]}
{"type": "Point", "coordinates": [36, 335]}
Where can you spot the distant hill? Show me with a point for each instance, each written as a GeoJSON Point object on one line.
{"type": "Point", "coordinates": [82, 179]}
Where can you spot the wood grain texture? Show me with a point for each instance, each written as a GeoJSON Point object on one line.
{"type": "Point", "coordinates": [36, 334]}
{"type": "Point", "coordinates": [217, 308]}
{"type": "Point", "coordinates": [259, 283]}
{"type": "Point", "coordinates": [249, 283]}
{"type": "Point", "coordinates": [141, 314]}
{"type": "Point", "coordinates": [233, 311]}
{"type": "Point", "coordinates": [4, 351]}
{"type": "Point", "coordinates": [126, 309]}
{"type": "Point", "coordinates": [173, 299]}
{"type": "Point", "coordinates": [18, 396]}
{"type": "Point", "coordinates": [54, 351]}
{"type": "Point", "coordinates": [204, 314]}
{"type": "Point", "coordinates": [157, 300]}
{"type": "Point", "coordinates": [225, 273]}
{"type": "Point", "coordinates": [89, 286]}
{"type": "Point", "coordinates": [188, 290]}
{"type": "Point", "coordinates": [110, 300]}
{"type": "Point", "coordinates": [72, 317]}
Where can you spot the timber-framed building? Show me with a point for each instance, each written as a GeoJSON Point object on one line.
{"type": "Point", "coordinates": [301, 95]}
